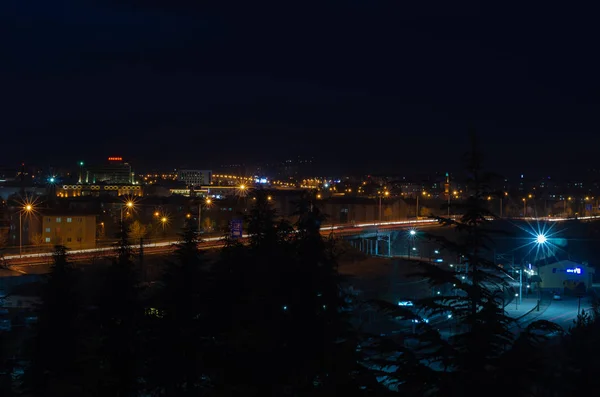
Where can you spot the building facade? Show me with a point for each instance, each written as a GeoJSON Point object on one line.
{"type": "Point", "coordinates": [115, 171]}
{"type": "Point", "coordinates": [195, 177]}
{"type": "Point", "coordinates": [564, 276]}
{"type": "Point", "coordinates": [73, 230]}
{"type": "Point", "coordinates": [98, 190]}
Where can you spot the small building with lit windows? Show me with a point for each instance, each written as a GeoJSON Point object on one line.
{"type": "Point", "coordinates": [565, 276]}
{"type": "Point", "coordinates": [74, 230]}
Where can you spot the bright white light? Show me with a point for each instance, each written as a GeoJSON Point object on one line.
{"type": "Point", "coordinates": [412, 232]}
{"type": "Point", "coordinates": [541, 239]}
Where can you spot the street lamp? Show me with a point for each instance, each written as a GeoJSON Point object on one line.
{"type": "Point", "coordinates": [129, 205]}
{"type": "Point", "coordinates": [386, 194]}
{"type": "Point", "coordinates": [411, 234]}
{"type": "Point", "coordinates": [164, 221]}
{"type": "Point", "coordinates": [540, 239]}
{"type": "Point", "coordinates": [208, 201]}
{"type": "Point", "coordinates": [524, 207]}
{"type": "Point", "coordinates": [27, 209]}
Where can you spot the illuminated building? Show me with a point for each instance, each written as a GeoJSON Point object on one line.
{"type": "Point", "coordinates": [115, 172]}
{"type": "Point", "coordinates": [565, 275]}
{"type": "Point", "coordinates": [195, 177]}
{"type": "Point", "coordinates": [73, 230]}
{"type": "Point", "coordinates": [98, 190]}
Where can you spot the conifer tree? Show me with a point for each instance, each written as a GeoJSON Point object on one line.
{"type": "Point", "coordinates": [471, 358]}
{"type": "Point", "coordinates": [320, 345]}
{"type": "Point", "coordinates": [183, 325]}
{"type": "Point", "coordinates": [54, 369]}
{"type": "Point", "coordinates": [120, 320]}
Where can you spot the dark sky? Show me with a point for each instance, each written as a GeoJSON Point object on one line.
{"type": "Point", "coordinates": [361, 84]}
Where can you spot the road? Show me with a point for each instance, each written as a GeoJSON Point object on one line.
{"type": "Point", "coordinates": [160, 247]}
{"type": "Point", "coordinates": [562, 312]}
{"type": "Point", "coordinates": [209, 242]}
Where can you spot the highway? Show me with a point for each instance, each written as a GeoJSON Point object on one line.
{"type": "Point", "coordinates": [212, 242]}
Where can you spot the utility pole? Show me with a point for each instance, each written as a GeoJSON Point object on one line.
{"type": "Point", "coordinates": [199, 215]}
{"type": "Point", "coordinates": [417, 208]}
{"type": "Point", "coordinates": [521, 284]}
{"type": "Point", "coordinates": [448, 191]}
{"type": "Point", "coordinates": [141, 257]}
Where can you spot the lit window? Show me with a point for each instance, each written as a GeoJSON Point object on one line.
{"type": "Point", "coordinates": [58, 220]}
{"type": "Point", "coordinates": [48, 230]}
{"type": "Point", "coordinates": [69, 220]}
{"type": "Point", "coordinates": [47, 239]}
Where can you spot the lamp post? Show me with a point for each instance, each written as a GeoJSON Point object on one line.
{"type": "Point", "coordinates": [27, 208]}
{"type": "Point", "coordinates": [208, 201]}
{"type": "Point", "coordinates": [540, 239]}
{"type": "Point", "coordinates": [524, 207]}
{"type": "Point", "coordinates": [129, 205]}
{"type": "Point", "coordinates": [386, 193]}
{"type": "Point", "coordinates": [411, 235]}
{"type": "Point", "coordinates": [164, 221]}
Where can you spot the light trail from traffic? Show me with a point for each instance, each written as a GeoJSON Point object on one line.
{"type": "Point", "coordinates": [209, 242]}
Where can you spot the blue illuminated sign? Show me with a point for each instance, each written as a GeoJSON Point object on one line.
{"type": "Point", "coordinates": [576, 270]}
{"type": "Point", "coordinates": [236, 228]}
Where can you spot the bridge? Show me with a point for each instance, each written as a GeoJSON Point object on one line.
{"type": "Point", "coordinates": [375, 238]}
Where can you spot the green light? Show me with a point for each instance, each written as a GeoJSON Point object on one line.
{"type": "Point", "coordinates": [81, 163]}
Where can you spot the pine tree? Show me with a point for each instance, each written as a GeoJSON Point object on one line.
{"type": "Point", "coordinates": [319, 343]}
{"type": "Point", "coordinates": [183, 325]}
{"type": "Point", "coordinates": [474, 357]}
{"type": "Point", "coordinates": [120, 319]}
{"type": "Point", "coordinates": [54, 370]}
{"type": "Point", "coordinates": [249, 318]}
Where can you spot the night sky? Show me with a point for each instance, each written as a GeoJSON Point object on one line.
{"type": "Point", "coordinates": [362, 85]}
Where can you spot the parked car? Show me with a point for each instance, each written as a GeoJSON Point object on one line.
{"type": "Point", "coordinates": [556, 296]}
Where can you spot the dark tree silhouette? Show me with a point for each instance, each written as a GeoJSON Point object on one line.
{"type": "Point", "coordinates": [319, 343]}
{"type": "Point", "coordinates": [54, 368]}
{"type": "Point", "coordinates": [184, 331]}
{"type": "Point", "coordinates": [120, 318]}
{"type": "Point", "coordinates": [471, 357]}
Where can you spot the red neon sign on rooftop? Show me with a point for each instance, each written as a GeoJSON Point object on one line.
{"type": "Point", "coordinates": [115, 159]}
